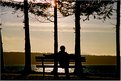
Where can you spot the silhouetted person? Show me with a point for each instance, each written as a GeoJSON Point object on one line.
{"type": "Point", "coordinates": [63, 59]}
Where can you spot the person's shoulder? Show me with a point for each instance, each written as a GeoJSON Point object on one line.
{"type": "Point", "coordinates": [66, 53]}
{"type": "Point", "coordinates": [59, 52]}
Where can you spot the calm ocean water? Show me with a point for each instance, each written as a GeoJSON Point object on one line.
{"type": "Point", "coordinates": [93, 69]}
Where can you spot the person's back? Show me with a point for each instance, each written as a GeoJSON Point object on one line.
{"type": "Point", "coordinates": [63, 59]}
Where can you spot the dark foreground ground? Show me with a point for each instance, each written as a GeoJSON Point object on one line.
{"type": "Point", "coordinates": [39, 76]}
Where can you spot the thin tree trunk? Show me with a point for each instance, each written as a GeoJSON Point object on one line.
{"type": "Point", "coordinates": [55, 39]}
{"type": "Point", "coordinates": [27, 39]}
{"type": "Point", "coordinates": [1, 51]}
{"type": "Point", "coordinates": [78, 66]}
{"type": "Point", "coordinates": [118, 38]}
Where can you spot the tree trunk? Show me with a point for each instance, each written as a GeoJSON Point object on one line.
{"type": "Point", "coordinates": [118, 38]}
{"type": "Point", "coordinates": [1, 51]}
{"type": "Point", "coordinates": [55, 40]}
{"type": "Point", "coordinates": [78, 66]}
{"type": "Point", "coordinates": [27, 39]}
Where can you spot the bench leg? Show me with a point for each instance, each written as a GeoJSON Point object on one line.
{"type": "Point", "coordinates": [43, 68]}
{"type": "Point", "coordinates": [43, 72]}
{"type": "Point", "coordinates": [67, 73]}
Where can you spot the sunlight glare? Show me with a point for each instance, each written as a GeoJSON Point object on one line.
{"type": "Point", "coordinates": [53, 3]}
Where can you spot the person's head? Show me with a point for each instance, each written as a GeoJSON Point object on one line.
{"type": "Point", "coordinates": [62, 48]}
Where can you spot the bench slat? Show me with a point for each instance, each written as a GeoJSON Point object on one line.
{"type": "Point", "coordinates": [51, 59]}
{"type": "Point", "coordinates": [51, 66]}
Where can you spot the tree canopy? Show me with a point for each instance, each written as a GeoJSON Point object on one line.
{"type": "Point", "coordinates": [38, 9]}
{"type": "Point", "coordinates": [99, 9]}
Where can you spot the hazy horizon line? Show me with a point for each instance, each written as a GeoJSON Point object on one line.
{"type": "Point", "coordinates": [53, 53]}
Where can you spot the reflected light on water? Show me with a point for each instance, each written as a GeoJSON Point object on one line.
{"type": "Point", "coordinates": [60, 70]}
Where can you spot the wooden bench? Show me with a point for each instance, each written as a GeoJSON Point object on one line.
{"type": "Point", "coordinates": [50, 58]}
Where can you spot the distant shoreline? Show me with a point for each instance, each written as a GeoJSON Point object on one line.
{"type": "Point", "coordinates": [53, 53]}
{"type": "Point", "coordinates": [12, 58]}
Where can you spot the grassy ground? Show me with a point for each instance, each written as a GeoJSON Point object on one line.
{"type": "Point", "coordinates": [39, 76]}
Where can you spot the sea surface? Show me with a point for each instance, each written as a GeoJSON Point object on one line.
{"type": "Point", "coordinates": [92, 69]}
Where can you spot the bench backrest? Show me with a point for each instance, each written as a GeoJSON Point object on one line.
{"type": "Point", "coordinates": [50, 58]}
